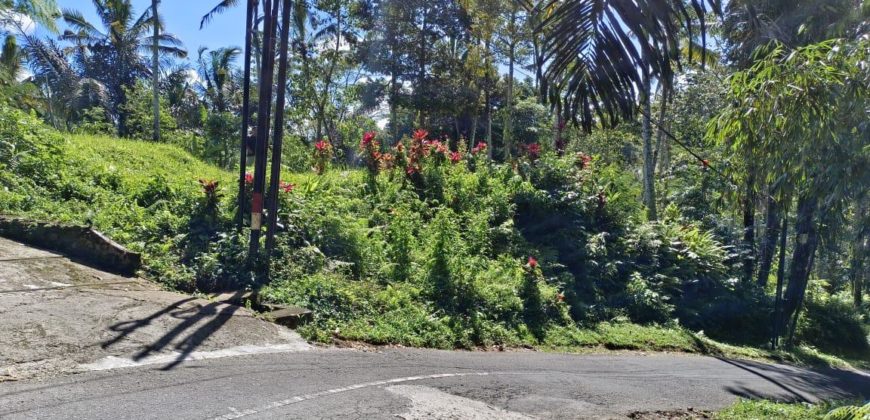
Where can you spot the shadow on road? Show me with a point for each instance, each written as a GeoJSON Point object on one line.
{"type": "Point", "coordinates": [802, 385]}
{"type": "Point", "coordinates": [190, 318]}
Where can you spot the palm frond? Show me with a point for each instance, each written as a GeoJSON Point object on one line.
{"type": "Point", "coordinates": [220, 8]}
{"type": "Point", "coordinates": [597, 52]}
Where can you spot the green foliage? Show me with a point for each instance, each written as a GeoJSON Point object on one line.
{"type": "Point", "coordinates": [139, 111]}
{"type": "Point", "coordinates": [95, 121]}
{"type": "Point", "coordinates": [834, 327]}
{"type": "Point", "coordinates": [761, 409]}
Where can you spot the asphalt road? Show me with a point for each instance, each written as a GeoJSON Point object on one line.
{"type": "Point", "coordinates": [401, 383]}
{"type": "Point", "coordinates": [78, 343]}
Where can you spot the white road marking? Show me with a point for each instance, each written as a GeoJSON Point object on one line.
{"type": "Point", "coordinates": [432, 403]}
{"type": "Point", "coordinates": [114, 362]}
{"type": "Point", "coordinates": [236, 414]}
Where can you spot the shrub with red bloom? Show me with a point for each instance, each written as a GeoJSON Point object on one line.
{"type": "Point", "coordinates": [388, 161]}
{"type": "Point", "coordinates": [286, 187]}
{"type": "Point", "coordinates": [533, 151]}
{"type": "Point", "coordinates": [208, 187]}
{"type": "Point", "coordinates": [585, 160]}
{"type": "Point", "coordinates": [368, 137]}
{"type": "Point", "coordinates": [479, 148]}
{"type": "Point", "coordinates": [249, 178]}
{"type": "Point", "coordinates": [420, 135]}
{"type": "Point", "coordinates": [533, 262]}
{"type": "Point", "coordinates": [322, 156]}
{"type": "Point", "coordinates": [455, 157]}
{"type": "Point", "coordinates": [371, 151]}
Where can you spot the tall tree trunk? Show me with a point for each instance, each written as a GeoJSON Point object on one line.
{"type": "Point", "coordinates": [263, 119]}
{"type": "Point", "coordinates": [246, 114]}
{"type": "Point", "coordinates": [558, 142]}
{"type": "Point", "coordinates": [507, 136]}
{"type": "Point", "coordinates": [155, 70]}
{"type": "Point", "coordinates": [661, 140]}
{"type": "Point", "coordinates": [394, 96]}
{"type": "Point", "coordinates": [278, 130]}
{"type": "Point", "coordinates": [421, 71]}
{"type": "Point", "coordinates": [649, 192]}
{"type": "Point", "coordinates": [749, 227]}
{"type": "Point", "coordinates": [780, 278]}
{"type": "Point", "coordinates": [768, 243]}
{"type": "Point", "coordinates": [487, 106]}
{"type": "Point", "coordinates": [860, 252]}
{"type": "Point", "coordinates": [806, 239]}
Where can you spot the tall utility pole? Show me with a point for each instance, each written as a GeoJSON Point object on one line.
{"type": "Point", "coordinates": [278, 130]}
{"type": "Point", "coordinates": [155, 70]}
{"type": "Point", "coordinates": [246, 114]}
{"type": "Point", "coordinates": [266, 79]}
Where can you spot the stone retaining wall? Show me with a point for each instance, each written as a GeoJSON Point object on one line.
{"type": "Point", "coordinates": [79, 242]}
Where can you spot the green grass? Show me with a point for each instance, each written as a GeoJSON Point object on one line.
{"type": "Point", "coordinates": [769, 410]}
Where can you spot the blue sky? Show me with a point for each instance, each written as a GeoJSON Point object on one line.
{"type": "Point", "coordinates": [182, 20]}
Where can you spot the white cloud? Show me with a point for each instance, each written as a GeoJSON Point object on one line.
{"type": "Point", "coordinates": [15, 22]}
{"type": "Point", "coordinates": [193, 77]}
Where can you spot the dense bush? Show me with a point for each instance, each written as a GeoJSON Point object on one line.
{"type": "Point", "coordinates": [430, 246]}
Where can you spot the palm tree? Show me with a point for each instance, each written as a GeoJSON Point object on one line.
{"type": "Point", "coordinates": [44, 12]}
{"type": "Point", "coordinates": [67, 93]}
{"type": "Point", "coordinates": [115, 55]}
{"type": "Point", "coordinates": [216, 71]}
{"type": "Point", "coordinates": [601, 55]}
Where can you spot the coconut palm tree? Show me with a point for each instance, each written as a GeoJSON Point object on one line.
{"type": "Point", "coordinates": [115, 54]}
{"type": "Point", "coordinates": [216, 71]}
{"type": "Point", "coordinates": [67, 93]}
{"type": "Point", "coordinates": [601, 56]}
{"type": "Point", "coordinates": [44, 12]}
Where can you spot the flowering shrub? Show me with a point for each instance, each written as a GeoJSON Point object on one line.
{"type": "Point", "coordinates": [479, 148]}
{"type": "Point", "coordinates": [370, 148]}
{"type": "Point", "coordinates": [286, 187]}
{"type": "Point", "coordinates": [533, 152]}
{"type": "Point", "coordinates": [322, 156]}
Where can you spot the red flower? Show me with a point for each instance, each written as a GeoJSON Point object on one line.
{"type": "Point", "coordinates": [411, 170]}
{"type": "Point", "coordinates": [455, 157]}
{"type": "Point", "coordinates": [209, 187]}
{"type": "Point", "coordinates": [533, 262]}
{"type": "Point", "coordinates": [534, 151]}
{"type": "Point", "coordinates": [287, 187]}
{"type": "Point", "coordinates": [481, 147]}
{"type": "Point", "coordinates": [420, 135]}
{"type": "Point", "coordinates": [322, 145]}
{"type": "Point", "coordinates": [249, 178]}
{"type": "Point", "coordinates": [368, 137]}
{"type": "Point", "coordinates": [585, 160]}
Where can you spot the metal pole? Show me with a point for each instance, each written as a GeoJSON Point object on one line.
{"type": "Point", "coordinates": [246, 114]}
{"type": "Point", "coordinates": [278, 129]}
{"type": "Point", "coordinates": [268, 73]}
